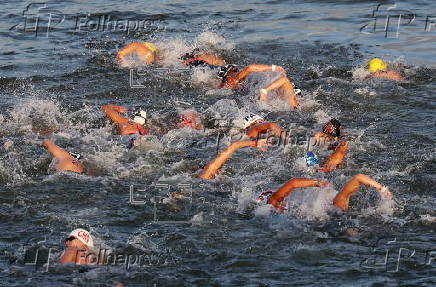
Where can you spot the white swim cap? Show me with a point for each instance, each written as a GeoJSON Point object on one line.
{"type": "Point", "coordinates": [251, 119]}
{"type": "Point", "coordinates": [83, 236]}
{"type": "Point", "coordinates": [140, 117]}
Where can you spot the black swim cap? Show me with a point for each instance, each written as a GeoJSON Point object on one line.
{"type": "Point", "coordinates": [333, 128]}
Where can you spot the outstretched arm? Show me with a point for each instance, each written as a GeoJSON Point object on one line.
{"type": "Point", "coordinates": [55, 150]}
{"type": "Point", "coordinates": [285, 84]}
{"type": "Point", "coordinates": [113, 112]}
{"type": "Point", "coordinates": [66, 161]}
{"type": "Point", "coordinates": [212, 168]}
{"type": "Point", "coordinates": [264, 127]}
{"type": "Point", "coordinates": [212, 59]}
{"type": "Point", "coordinates": [256, 68]}
{"type": "Point", "coordinates": [336, 158]}
{"type": "Point", "coordinates": [277, 198]}
{"type": "Point", "coordinates": [343, 198]}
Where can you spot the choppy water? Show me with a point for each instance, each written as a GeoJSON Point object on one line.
{"type": "Point", "coordinates": [59, 80]}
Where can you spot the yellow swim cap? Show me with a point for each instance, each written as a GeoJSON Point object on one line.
{"type": "Point", "coordinates": [376, 65]}
{"type": "Point", "coordinates": [151, 47]}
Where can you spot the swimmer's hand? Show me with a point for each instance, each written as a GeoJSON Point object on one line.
{"type": "Point", "coordinates": [384, 191]}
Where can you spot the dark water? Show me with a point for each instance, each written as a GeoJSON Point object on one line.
{"type": "Point", "coordinates": [58, 80]}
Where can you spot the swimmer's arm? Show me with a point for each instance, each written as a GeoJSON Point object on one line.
{"type": "Point", "coordinates": [212, 59]}
{"type": "Point", "coordinates": [342, 199]}
{"type": "Point", "coordinates": [55, 150]}
{"type": "Point", "coordinates": [277, 198]}
{"type": "Point", "coordinates": [256, 68]}
{"type": "Point", "coordinates": [263, 127]}
{"type": "Point", "coordinates": [335, 159]}
{"type": "Point", "coordinates": [212, 168]}
{"type": "Point", "coordinates": [113, 112]}
{"type": "Point", "coordinates": [284, 83]}
{"type": "Point", "coordinates": [130, 48]}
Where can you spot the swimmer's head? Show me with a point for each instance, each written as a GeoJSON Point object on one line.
{"type": "Point", "coordinates": [153, 55]}
{"type": "Point", "coordinates": [332, 128]}
{"type": "Point", "coordinates": [226, 70]}
{"type": "Point", "coordinates": [311, 159]}
{"type": "Point", "coordinates": [376, 65]}
{"type": "Point", "coordinates": [264, 196]}
{"type": "Point", "coordinates": [76, 155]}
{"type": "Point", "coordinates": [82, 235]}
{"type": "Point", "coordinates": [140, 117]}
{"type": "Point", "coordinates": [252, 119]}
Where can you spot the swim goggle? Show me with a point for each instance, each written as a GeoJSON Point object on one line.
{"type": "Point", "coordinates": [76, 155]}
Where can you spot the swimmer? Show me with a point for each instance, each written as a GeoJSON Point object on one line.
{"type": "Point", "coordinates": [213, 167]}
{"type": "Point", "coordinates": [255, 125]}
{"type": "Point", "coordinates": [64, 161]}
{"type": "Point", "coordinates": [341, 200]}
{"type": "Point", "coordinates": [380, 69]}
{"type": "Point", "coordinates": [79, 242]}
{"type": "Point", "coordinates": [148, 54]}
{"type": "Point", "coordinates": [231, 78]}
